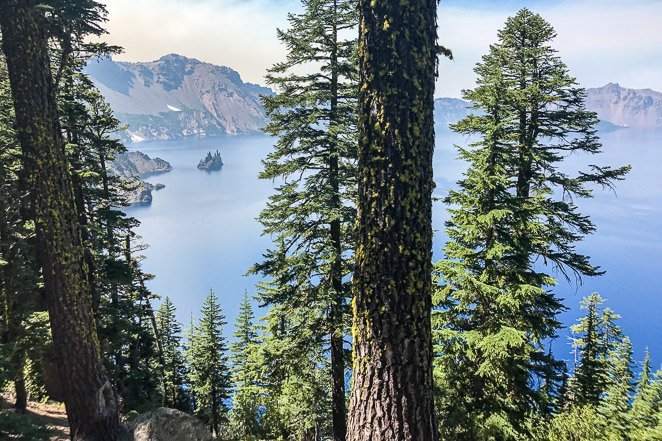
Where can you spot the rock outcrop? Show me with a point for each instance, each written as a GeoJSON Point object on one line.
{"type": "Point", "coordinates": [211, 162]}
{"type": "Point", "coordinates": [142, 195]}
{"type": "Point", "coordinates": [165, 424]}
{"type": "Point", "coordinates": [137, 164]}
{"type": "Point", "coordinates": [133, 166]}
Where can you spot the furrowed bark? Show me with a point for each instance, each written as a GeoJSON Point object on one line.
{"type": "Point", "coordinates": [392, 384]}
{"type": "Point", "coordinates": [89, 398]}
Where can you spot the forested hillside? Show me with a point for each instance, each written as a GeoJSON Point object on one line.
{"type": "Point", "coordinates": [353, 333]}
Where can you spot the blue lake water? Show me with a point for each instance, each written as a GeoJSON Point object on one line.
{"type": "Point", "coordinates": [202, 230]}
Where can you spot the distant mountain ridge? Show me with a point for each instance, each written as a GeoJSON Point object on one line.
{"type": "Point", "coordinates": [449, 111]}
{"type": "Point", "coordinates": [638, 108]}
{"type": "Point", "coordinates": [616, 106]}
{"type": "Point", "coordinates": [176, 96]}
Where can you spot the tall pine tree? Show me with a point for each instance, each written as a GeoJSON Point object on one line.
{"type": "Point", "coordinates": [596, 336]}
{"type": "Point", "coordinates": [616, 403]}
{"type": "Point", "coordinates": [513, 221]}
{"type": "Point", "coordinates": [311, 217]}
{"type": "Point", "coordinates": [90, 400]}
{"type": "Point", "coordinates": [173, 364]}
{"type": "Point", "coordinates": [207, 357]}
{"type": "Point", "coordinates": [245, 416]}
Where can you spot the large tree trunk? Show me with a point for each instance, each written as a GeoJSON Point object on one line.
{"type": "Point", "coordinates": [89, 398]}
{"type": "Point", "coordinates": [392, 386]}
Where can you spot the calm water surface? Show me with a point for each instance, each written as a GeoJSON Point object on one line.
{"type": "Point", "coordinates": [202, 230]}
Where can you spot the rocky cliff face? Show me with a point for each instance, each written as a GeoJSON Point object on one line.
{"type": "Point", "coordinates": [639, 108]}
{"type": "Point", "coordinates": [176, 96]}
{"type": "Point", "coordinates": [137, 164]}
{"type": "Point", "coordinates": [133, 166]}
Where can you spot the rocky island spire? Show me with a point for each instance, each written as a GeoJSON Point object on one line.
{"type": "Point", "coordinates": [211, 162]}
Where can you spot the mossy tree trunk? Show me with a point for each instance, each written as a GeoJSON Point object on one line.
{"type": "Point", "coordinates": [89, 398]}
{"type": "Point", "coordinates": [392, 386]}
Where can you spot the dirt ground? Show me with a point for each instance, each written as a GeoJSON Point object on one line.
{"type": "Point", "coordinates": [51, 415]}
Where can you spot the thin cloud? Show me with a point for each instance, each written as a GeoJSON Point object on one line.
{"type": "Point", "coordinates": [238, 34]}
{"type": "Point", "coordinates": [601, 41]}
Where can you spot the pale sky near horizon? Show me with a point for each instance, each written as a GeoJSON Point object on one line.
{"type": "Point", "coordinates": [601, 40]}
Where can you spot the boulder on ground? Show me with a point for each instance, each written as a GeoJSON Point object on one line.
{"type": "Point", "coordinates": [165, 424]}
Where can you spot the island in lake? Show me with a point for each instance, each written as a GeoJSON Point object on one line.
{"type": "Point", "coordinates": [132, 167]}
{"type": "Point", "coordinates": [211, 162]}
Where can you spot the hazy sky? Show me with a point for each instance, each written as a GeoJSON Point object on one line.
{"type": "Point", "coordinates": [600, 40]}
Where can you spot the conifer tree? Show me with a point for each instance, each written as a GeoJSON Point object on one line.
{"type": "Point", "coordinates": [125, 319]}
{"type": "Point", "coordinates": [90, 400]}
{"type": "Point", "coordinates": [173, 366]}
{"type": "Point", "coordinates": [89, 127]}
{"type": "Point", "coordinates": [496, 306]}
{"type": "Point", "coordinates": [295, 397]}
{"type": "Point", "coordinates": [245, 414]}
{"type": "Point", "coordinates": [18, 268]}
{"type": "Point", "coordinates": [616, 403]}
{"type": "Point", "coordinates": [392, 368]}
{"type": "Point", "coordinates": [577, 423]}
{"type": "Point", "coordinates": [311, 217]}
{"type": "Point", "coordinates": [122, 304]}
{"type": "Point", "coordinates": [208, 363]}
{"type": "Point", "coordinates": [647, 402]}
{"type": "Point", "coordinates": [596, 337]}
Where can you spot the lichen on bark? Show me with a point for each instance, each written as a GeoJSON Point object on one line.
{"type": "Point", "coordinates": [392, 385]}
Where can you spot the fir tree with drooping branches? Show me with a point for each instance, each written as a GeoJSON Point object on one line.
{"type": "Point", "coordinates": [311, 216]}
{"type": "Point", "coordinates": [513, 223]}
